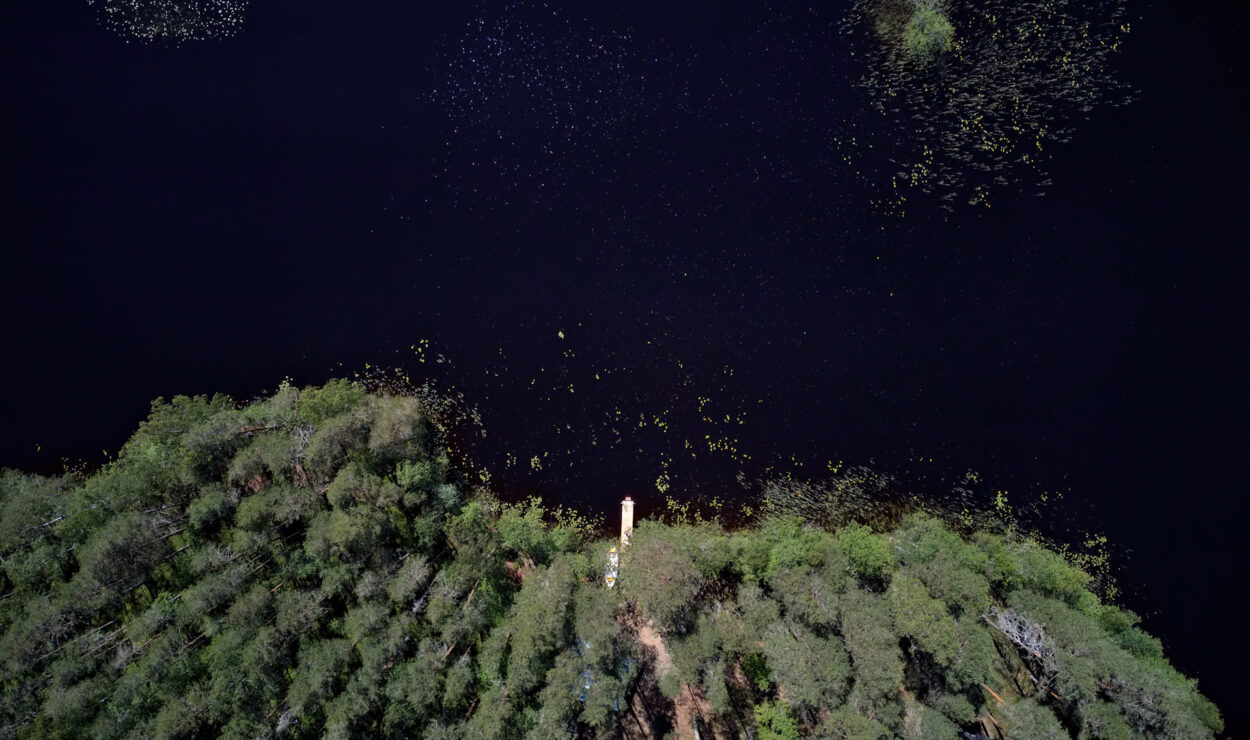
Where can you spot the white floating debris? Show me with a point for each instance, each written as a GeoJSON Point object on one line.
{"type": "Point", "coordinates": [172, 21]}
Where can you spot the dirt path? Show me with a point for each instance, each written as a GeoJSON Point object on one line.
{"type": "Point", "coordinates": [689, 704]}
{"type": "Point", "coordinates": [650, 638]}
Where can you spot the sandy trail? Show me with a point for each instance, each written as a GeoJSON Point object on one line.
{"type": "Point", "coordinates": [689, 704]}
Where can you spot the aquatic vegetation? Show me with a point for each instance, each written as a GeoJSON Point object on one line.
{"type": "Point", "coordinates": [172, 21]}
{"type": "Point", "coordinates": [920, 28]}
{"type": "Point", "coordinates": [973, 92]}
{"type": "Point", "coordinates": [927, 34]}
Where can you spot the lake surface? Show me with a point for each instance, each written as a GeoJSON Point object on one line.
{"type": "Point", "coordinates": [631, 238]}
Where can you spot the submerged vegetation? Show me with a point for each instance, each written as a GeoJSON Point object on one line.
{"type": "Point", "coordinates": [975, 91]}
{"type": "Point", "coordinates": [312, 564]}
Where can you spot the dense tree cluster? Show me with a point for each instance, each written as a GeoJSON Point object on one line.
{"type": "Point", "coordinates": [304, 565]}
{"type": "Point", "coordinates": [789, 630]}
{"type": "Point", "coordinates": [311, 564]}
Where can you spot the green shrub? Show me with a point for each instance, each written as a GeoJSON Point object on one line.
{"type": "Point", "coordinates": [922, 723]}
{"type": "Point", "coordinates": [774, 722]}
{"type": "Point", "coordinates": [521, 530]}
{"type": "Point", "coordinates": [753, 556]}
{"type": "Point", "coordinates": [1028, 719]}
{"type": "Point", "coordinates": [869, 554]}
{"type": "Point", "coordinates": [539, 626]}
{"type": "Point", "coordinates": [355, 485]}
{"type": "Point", "coordinates": [869, 633]}
{"type": "Point", "coordinates": [397, 427]}
{"type": "Point", "coordinates": [921, 538]}
{"type": "Point", "coordinates": [336, 440]}
{"type": "Point", "coordinates": [792, 545]}
{"type": "Point", "coordinates": [976, 658]}
{"type": "Point", "coordinates": [1206, 712]}
{"type": "Point", "coordinates": [209, 510]}
{"type": "Point", "coordinates": [336, 397]}
{"type": "Point", "coordinates": [755, 667]}
{"type": "Point", "coordinates": [758, 610]}
{"type": "Point", "coordinates": [267, 458]}
{"type": "Point", "coordinates": [1102, 720]}
{"type": "Point", "coordinates": [844, 723]}
{"type": "Point", "coordinates": [1140, 644]}
{"type": "Point", "coordinates": [26, 502]}
{"type": "Point", "coordinates": [927, 33]}
{"type": "Point", "coordinates": [812, 671]}
{"type": "Point", "coordinates": [962, 590]}
{"type": "Point", "coordinates": [923, 619]}
{"type": "Point", "coordinates": [1001, 566]}
{"type": "Point", "coordinates": [670, 685]}
{"type": "Point", "coordinates": [668, 596]}
{"type": "Point", "coordinates": [955, 707]}
{"type": "Point", "coordinates": [1047, 572]}
{"type": "Point", "coordinates": [1115, 620]}
{"type": "Point", "coordinates": [420, 474]}
{"type": "Point", "coordinates": [37, 569]}
{"type": "Point", "coordinates": [808, 594]}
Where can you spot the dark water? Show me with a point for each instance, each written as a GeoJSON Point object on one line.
{"type": "Point", "coordinates": [334, 185]}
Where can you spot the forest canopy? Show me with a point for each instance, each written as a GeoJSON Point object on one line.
{"type": "Point", "coordinates": [312, 563]}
